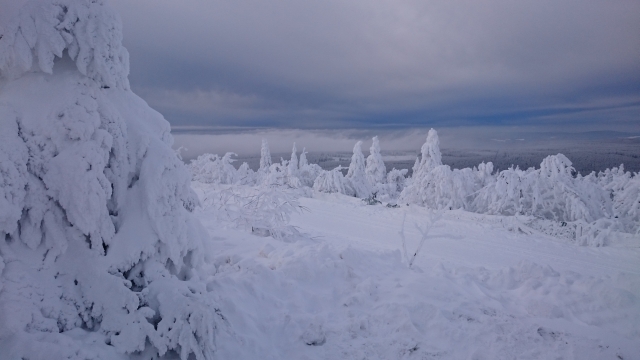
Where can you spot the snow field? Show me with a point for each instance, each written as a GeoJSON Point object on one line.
{"type": "Point", "coordinates": [477, 290]}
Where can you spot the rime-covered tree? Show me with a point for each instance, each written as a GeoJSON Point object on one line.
{"type": "Point", "coordinates": [210, 168]}
{"type": "Point", "coordinates": [99, 254]}
{"type": "Point", "coordinates": [333, 181]}
{"type": "Point", "coordinates": [416, 190]}
{"type": "Point", "coordinates": [356, 174]}
{"type": "Point", "coordinates": [430, 153]}
{"type": "Point", "coordinates": [303, 158]}
{"type": "Point", "coordinates": [396, 180]}
{"type": "Point", "coordinates": [265, 162]}
{"type": "Point", "coordinates": [375, 170]}
{"type": "Point", "coordinates": [245, 176]}
{"type": "Point", "coordinates": [292, 167]}
{"type": "Point", "coordinates": [550, 192]}
{"type": "Point", "coordinates": [307, 172]}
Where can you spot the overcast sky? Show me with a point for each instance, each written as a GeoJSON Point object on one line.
{"type": "Point", "coordinates": [387, 63]}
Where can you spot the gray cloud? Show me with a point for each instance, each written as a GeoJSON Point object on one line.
{"type": "Point", "coordinates": [382, 63]}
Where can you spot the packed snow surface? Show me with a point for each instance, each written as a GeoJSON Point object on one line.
{"type": "Point", "coordinates": [481, 287]}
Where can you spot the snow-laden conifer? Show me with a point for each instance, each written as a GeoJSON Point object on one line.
{"type": "Point", "coordinates": [265, 162]}
{"type": "Point", "coordinates": [89, 32]}
{"type": "Point", "coordinates": [430, 154]}
{"type": "Point", "coordinates": [245, 176]}
{"type": "Point", "coordinates": [375, 169]}
{"type": "Point", "coordinates": [624, 190]}
{"type": "Point", "coordinates": [292, 167]}
{"type": "Point", "coordinates": [356, 174]}
{"type": "Point", "coordinates": [303, 158]}
{"type": "Point", "coordinates": [99, 253]}
{"type": "Point", "coordinates": [307, 172]}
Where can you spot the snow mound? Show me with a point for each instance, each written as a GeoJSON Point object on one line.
{"type": "Point", "coordinates": [99, 254]}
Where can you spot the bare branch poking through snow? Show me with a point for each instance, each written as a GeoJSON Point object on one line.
{"type": "Point", "coordinates": [434, 216]}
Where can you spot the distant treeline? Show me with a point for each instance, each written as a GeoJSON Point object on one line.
{"type": "Point", "coordinates": [586, 158]}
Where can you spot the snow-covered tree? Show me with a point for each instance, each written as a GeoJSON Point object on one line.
{"type": "Point", "coordinates": [375, 169]}
{"type": "Point", "coordinates": [356, 174]}
{"type": "Point", "coordinates": [421, 189]}
{"type": "Point", "coordinates": [414, 192]}
{"type": "Point", "coordinates": [333, 182]}
{"type": "Point", "coordinates": [484, 174]}
{"type": "Point", "coordinates": [396, 182]}
{"type": "Point", "coordinates": [99, 254]}
{"type": "Point", "coordinates": [624, 190]}
{"type": "Point", "coordinates": [262, 210]}
{"type": "Point", "coordinates": [416, 165]}
{"type": "Point", "coordinates": [441, 188]}
{"type": "Point", "coordinates": [265, 162]}
{"type": "Point", "coordinates": [245, 176]}
{"type": "Point", "coordinates": [431, 156]}
{"type": "Point", "coordinates": [303, 158]}
{"type": "Point", "coordinates": [211, 169]}
{"type": "Point", "coordinates": [437, 186]}
{"type": "Point", "coordinates": [278, 176]}
{"type": "Point", "coordinates": [506, 195]}
{"type": "Point", "coordinates": [626, 203]}
{"type": "Point", "coordinates": [307, 172]}
{"type": "Point", "coordinates": [550, 192]}
{"type": "Point", "coordinates": [292, 167]}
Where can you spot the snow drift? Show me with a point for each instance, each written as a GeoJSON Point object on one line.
{"type": "Point", "coordinates": [99, 254]}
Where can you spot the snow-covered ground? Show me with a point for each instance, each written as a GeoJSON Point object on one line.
{"type": "Point", "coordinates": [481, 287]}
{"type": "Point", "coordinates": [102, 255]}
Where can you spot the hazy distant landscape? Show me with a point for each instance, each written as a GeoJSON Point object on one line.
{"type": "Point", "coordinates": [586, 154]}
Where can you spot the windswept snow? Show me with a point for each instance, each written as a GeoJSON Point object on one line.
{"type": "Point", "coordinates": [481, 287]}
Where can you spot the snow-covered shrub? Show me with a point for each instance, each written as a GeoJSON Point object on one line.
{"type": "Point", "coordinates": [396, 180]}
{"type": "Point", "coordinates": [278, 176]}
{"type": "Point", "coordinates": [211, 169]}
{"type": "Point", "coordinates": [506, 195]}
{"type": "Point", "coordinates": [625, 190]}
{"type": "Point", "coordinates": [375, 170]}
{"type": "Point", "coordinates": [245, 176]}
{"type": "Point", "coordinates": [612, 178]}
{"type": "Point", "coordinates": [484, 174]}
{"type": "Point", "coordinates": [333, 182]}
{"type": "Point", "coordinates": [265, 211]}
{"type": "Point", "coordinates": [356, 174]}
{"type": "Point", "coordinates": [551, 192]}
{"type": "Point", "coordinates": [441, 188]}
{"type": "Point", "coordinates": [99, 255]}
{"type": "Point", "coordinates": [435, 185]}
{"type": "Point", "coordinates": [307, 173]}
